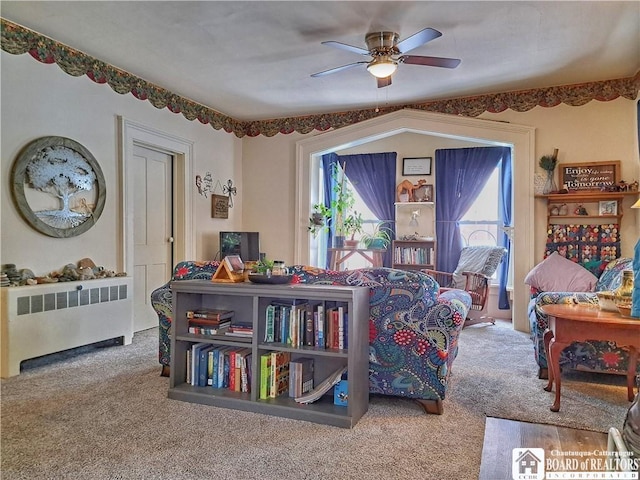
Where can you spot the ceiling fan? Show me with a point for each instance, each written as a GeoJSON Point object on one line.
{"type": "Point", "coordinates": [387, 53]}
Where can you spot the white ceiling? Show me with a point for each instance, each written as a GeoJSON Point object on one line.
{"type": "Point", "coordinates": [253, 60]}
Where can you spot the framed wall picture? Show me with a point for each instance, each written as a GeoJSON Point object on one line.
{"type": "Point", "coordinates": [608, 207]}
{"type": "Point", "coordinates": [593, 176]}
{"type": "Point", "coordinates": [416, 166]}
{"type": "Point", "coordinates": [219, 206]}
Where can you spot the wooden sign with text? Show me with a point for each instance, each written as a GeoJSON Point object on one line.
{"type": "Point", "coordinates": [593, 176]}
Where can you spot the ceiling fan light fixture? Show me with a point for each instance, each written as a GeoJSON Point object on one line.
{"type": "Point", "coordinates": [382, 67]}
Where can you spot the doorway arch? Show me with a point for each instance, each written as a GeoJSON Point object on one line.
{"type": "Point", "coordinates": [521, 138]}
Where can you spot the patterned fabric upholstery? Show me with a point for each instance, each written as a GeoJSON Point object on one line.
{"type": "Point", "coordinates": [592, 355]}
{"type": "Point", "coordinates": [413, 331]}
{"type": "Point", "coordinates": [162, 300]}
{"type": "Point", "coordinates": [480, 259]}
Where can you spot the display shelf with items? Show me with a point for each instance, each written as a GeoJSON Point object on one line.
{"type": "Point", "coordinates": [604, 207]}
{"type": "Point", "coordinates": [253, 372]}
{"type": "Point", "coordinates": [414, 254]}
{"type": "Point", "coordinates": [415, 218]}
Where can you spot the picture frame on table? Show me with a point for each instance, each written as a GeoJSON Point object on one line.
{"type": "Point", "coordinates": [608, 207]}
{"type": "Point", "coordinates": [234, 263]}
{"type": "Point", "coordinates": [416, 166]}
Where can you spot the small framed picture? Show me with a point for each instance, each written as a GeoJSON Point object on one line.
{"type": "Point", "coordinates": [234, 263]}
{"type": "Point", "coordinates": [608, 207]}
{"type": "Point", "coordinates": [416, 166]}
{"type": "Point", "coordinates": [219, 206]}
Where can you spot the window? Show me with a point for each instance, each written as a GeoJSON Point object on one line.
{"type": "Point", "coordinates": [481, 224]}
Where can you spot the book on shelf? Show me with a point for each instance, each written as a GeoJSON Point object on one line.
{"type": "Point", "coordinates": [323, 387]}
{"type": "Point", "coordinates": [270, 314]}
{"type": "Point", "coordinates": [197, 328]}
{"type": "Point", "coordinates": [195, 362]}
{"type": "Point", "coordinates": [279, 375]}
{"type": "Point", "coordinates": [212, 314]}
{"type": "Point", "coordinates": [265, 369]}
{"type": "Point", "coordinates": [245, 373]}
{"type": "Point", "coordinates": [203, 366]}
{"type": "Point", "coordinates": [300, 376]}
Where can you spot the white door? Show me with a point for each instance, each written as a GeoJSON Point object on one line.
{"type": "Point", "coordinates": [152, 230]}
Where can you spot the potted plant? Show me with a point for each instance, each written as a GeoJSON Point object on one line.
{"type": "Point", "coordinates": [380, 237]}
{"type": "Point", "coordinates": [351, 225]}
{"type": "Point", "coordinates": [319, 219]}
{"type": "Point", "coordinates": [340, 214]}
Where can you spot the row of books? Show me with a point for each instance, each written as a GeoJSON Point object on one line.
{"type": "Point", "coordinates": [413, 255]}
{"type": "Point", "coordinates": [279, 375]}
{"type": "Point", "coordinates": [219, 367]}
{"type": "Point", "coordinates": [303, 324]}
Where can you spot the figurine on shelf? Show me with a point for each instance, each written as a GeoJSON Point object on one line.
{"type": "Point", "coordinates": [580, 210]}
{"type": "Point", "coordinates": [563, 210]}
{"type": "Point", "coordinates": [554, 211]}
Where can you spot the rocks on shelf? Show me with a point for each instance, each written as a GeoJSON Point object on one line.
{"type": "Point", "coordinates": [85, 269]}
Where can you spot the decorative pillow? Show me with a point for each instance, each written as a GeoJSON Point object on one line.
{"type": "Point", "coordinates": [557, 274]}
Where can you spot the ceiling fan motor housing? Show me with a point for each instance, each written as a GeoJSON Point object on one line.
{"type": "Point", "coordinates": [382, 43]}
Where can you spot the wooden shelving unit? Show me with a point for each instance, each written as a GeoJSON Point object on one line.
{"type": "Point", "coordinates": [581, 198]}
{"type": "Point", "coordinates": [414, 254]}
{"type": "Point", "coordinates": [249, 302]}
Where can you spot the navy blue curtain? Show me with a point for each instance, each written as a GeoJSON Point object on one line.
{"type": "Point", "coordinates": [504, 211]}
{"type": "Point", "coordinates": [373, 175]}
{"type": "Point", "coordinates": [328, 162]}
{"type": "Point", "coordinates": [461, 173]}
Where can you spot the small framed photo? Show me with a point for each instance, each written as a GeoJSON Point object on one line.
{"type": "Point", "coordinates": [608, 207]}
{"type": "Point", "coordinates": [416, 166]}
{"type": "Point", "coordinates": [219, 206]}
{"type": "Point", "coordinates": [234, 263]}
{"type": "Point", "coordinates": [424, 193]}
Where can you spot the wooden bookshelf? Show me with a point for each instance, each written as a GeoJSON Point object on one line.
{"type": "Point", "coordinates": [414, 254]}
{"type": "Point", "coordinates": [249, 302]}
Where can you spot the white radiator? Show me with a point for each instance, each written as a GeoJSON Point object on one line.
{"type": "Point", "coordinates": [47, 318]}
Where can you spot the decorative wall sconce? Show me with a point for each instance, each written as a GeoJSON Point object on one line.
{"type": "Point", "coordinates": [204, 184]}
{"type": "Point", "coordinates": [230, 190]}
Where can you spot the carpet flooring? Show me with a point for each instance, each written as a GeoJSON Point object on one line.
{"type": "Point", "coordinates": [103, 413]}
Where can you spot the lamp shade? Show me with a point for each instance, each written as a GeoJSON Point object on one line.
{"type": "Point", "coordinates": [382, 67]}
{"type": "Point", "coordinates": [636, 205]}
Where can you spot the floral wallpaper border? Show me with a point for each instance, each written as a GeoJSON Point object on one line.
{"type": "Point", "coordinates": [18, 40]}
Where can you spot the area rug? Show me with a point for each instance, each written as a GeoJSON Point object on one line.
{"type": "Point", "coordinates": [496, 373]}
{"type": "Point", "coordinates": [103, 413]}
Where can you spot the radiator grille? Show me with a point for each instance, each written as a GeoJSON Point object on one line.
{"type": "Point", "coordinates": [73, 298]}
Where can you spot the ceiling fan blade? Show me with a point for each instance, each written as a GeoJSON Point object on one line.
{"type": "Point", "coordinates": [337, 69]}
{"type": "Point", "coordinates": [430, 61]}
{"type": "Point", "coordinates": [384, 82]}
{"type": "Point", "coordinates": [417, 39]}
{"type": "Point", "coordinates": [349, 48]}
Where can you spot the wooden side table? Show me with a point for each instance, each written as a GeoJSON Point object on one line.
{"type": "Point", "coordinates": [371, 255]}
{"type": "Point", "coordinates": [579, 323]}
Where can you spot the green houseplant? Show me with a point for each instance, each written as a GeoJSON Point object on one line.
{"type": "Point", "coordinates": [351, 225]}
{"type": "Point", "coordinates": [340, 214]}
{"type": "Point", "coordinates": [380, 237]}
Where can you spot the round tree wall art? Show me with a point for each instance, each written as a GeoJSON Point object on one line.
{"type": "Point", "coordinates": [58, 186]}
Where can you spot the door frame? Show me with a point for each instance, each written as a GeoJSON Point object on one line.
{"type": "Point", "coordinates": [132, 133]}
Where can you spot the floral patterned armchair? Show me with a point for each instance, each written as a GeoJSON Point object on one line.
{"type": "Point", "coordinates": [593, 355]}
{"type": "Point", "coordinates": [162, 303]}
{"type": "Point", "coordinates": [413, 330]}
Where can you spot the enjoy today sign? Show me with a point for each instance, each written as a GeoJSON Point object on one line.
{"type": "Point", "coordinates": [589, 176]}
